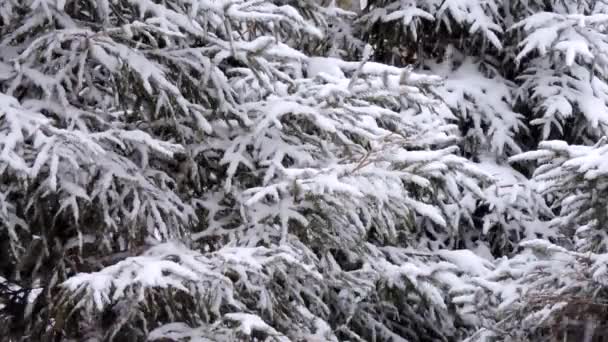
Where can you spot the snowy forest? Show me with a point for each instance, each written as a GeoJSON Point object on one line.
{"type": "Point", "coordinates": [303, 170]}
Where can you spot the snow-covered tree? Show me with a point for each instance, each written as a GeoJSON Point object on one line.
{"type": "Point", "coordinates": [519, 73]}
{"type": "Point", "coordinates": [299, 170]}
{"type": "Point", "coordinates": [545, 293]}
{"type": "Point", "coordinates": [573, 177]}
{"type": "Point", "coordinates": [189, 170]}
{"type": "Point", "coordinates": [563, 77]}
{"type": "Point", "coordinates": [462, 41]}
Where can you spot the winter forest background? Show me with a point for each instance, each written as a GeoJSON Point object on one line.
{"type": "Point", "coordinates": [303, 170]}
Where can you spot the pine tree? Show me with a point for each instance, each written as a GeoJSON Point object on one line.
{"type": "Point", "coordinates": [192, 170]}
{"type": "Point", "coordinates": [178, 170]}
{"type": "Point", "coordinates": [562, 80]}
{"type": "Point", "coordinates": [520, 76]}
{"type": "Point", "coordinates": [462, 41]}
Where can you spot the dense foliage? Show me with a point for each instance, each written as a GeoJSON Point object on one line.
{"type": "Point", "coordinates": [274, 170]}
